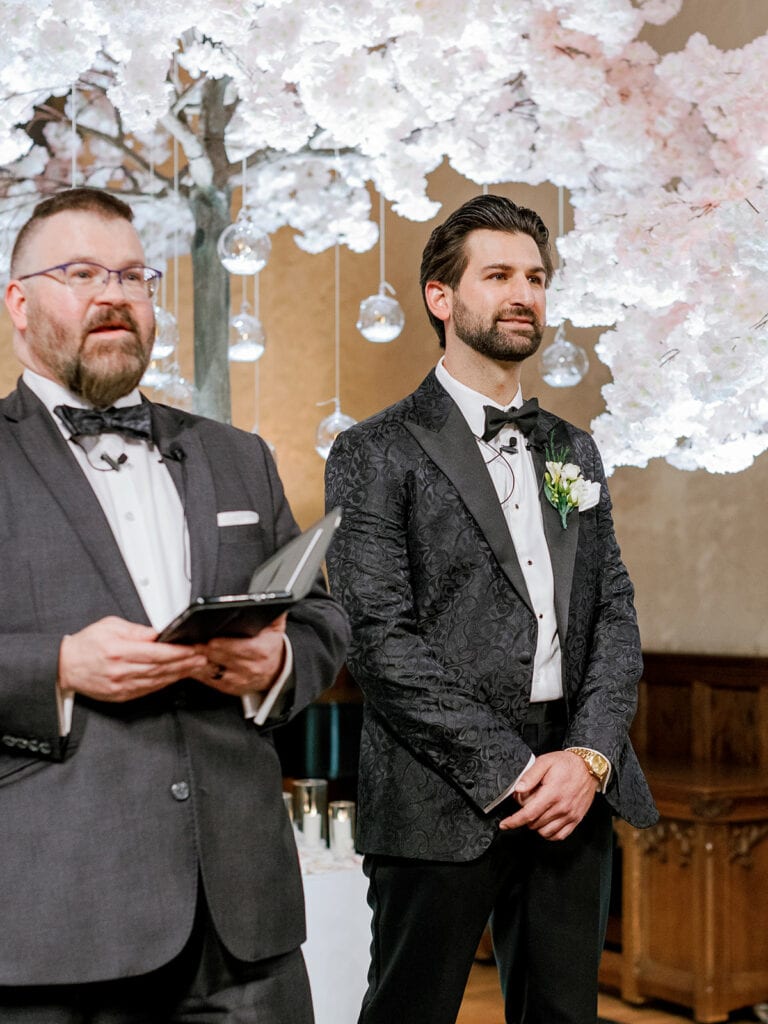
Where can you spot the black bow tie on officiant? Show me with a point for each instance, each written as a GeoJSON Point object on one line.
{"type": "Point", "coordinates": [131, 421]}
{"type": "Point", "coordinates": [524, 418]}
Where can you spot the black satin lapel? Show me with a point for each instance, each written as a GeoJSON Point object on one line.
{"type": "Point", "coordinates": [49, 454]}
{"type": "Point", "coordinates": [454, 450]}
{"type": "Point", "coordinates": [191, 473]}
{"type": "Point", "coordinates": [562, 545]}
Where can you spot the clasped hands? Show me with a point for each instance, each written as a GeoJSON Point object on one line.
{"type": "Point", "coordinates": [554, 795]}
{"type": "Point", "coordinates": [117, 660]}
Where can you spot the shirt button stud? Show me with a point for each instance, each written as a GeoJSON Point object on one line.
{"type": "Point", "coordinates": [180, 791]}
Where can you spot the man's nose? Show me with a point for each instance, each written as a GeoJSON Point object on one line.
{"type": "Point", "coordinates": [520, 290]}
{"type": "Point", "coordinates": [112, 289]}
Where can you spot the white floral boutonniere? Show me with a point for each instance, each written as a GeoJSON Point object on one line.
{"type": "Point", "coordinates": [565, 487]}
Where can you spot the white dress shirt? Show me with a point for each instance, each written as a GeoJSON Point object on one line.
{"type": "Point", "coordinates": [514, 479]}
{"type": "Point", "coordinates": [146, 516]}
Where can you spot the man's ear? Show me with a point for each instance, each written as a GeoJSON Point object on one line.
{"type": "Point", "coordinates": [439, 299]}
{"type": "Point", "coordinates": [16, 303]}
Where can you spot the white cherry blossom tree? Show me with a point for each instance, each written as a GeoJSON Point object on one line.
{"type": "Point", "coordinates": [665, 159]}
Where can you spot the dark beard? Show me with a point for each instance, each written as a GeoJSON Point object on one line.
{"type": "Point", "coordinates": [102, 372]}
{"type": "Point", "coordinates": [493, 342]}
{"type": "Point", "coordinates": [100, 389]}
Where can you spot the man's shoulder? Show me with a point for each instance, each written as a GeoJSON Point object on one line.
{"type": "Point", "coordinates": [177, 420]}
{"type": "Point", "coordinates": [415, 407]}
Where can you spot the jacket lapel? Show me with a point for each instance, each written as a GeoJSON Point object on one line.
{"type": "Point", "coordinates": [48, 453]}
{"type": "Point", "coordinates": [562, 543]}
{"type": "Point", "coordinates": [442, 432]}
{"type": "Point", "coordinates": [179, 443]}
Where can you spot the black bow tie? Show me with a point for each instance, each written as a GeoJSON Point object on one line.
{"type": "Point", "coordinates": [524, 418]}
{"type": "Point", "coordinates": [129, 421]}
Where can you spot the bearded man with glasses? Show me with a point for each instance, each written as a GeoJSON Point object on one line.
{"type": "Point", "coordinates": [148, 872]}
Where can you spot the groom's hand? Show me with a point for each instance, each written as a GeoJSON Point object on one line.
{"type": "Point", "coordinates": [554, 793]}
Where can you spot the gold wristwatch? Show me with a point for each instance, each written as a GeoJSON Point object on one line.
{"type": "Point", "coordinates": [598, 764]}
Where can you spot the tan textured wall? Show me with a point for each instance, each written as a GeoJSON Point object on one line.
{"type": "Point", "coordinates": [694, 543]}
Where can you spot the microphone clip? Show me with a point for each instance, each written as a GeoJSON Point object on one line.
{"type": "Point", "coordinates": [114, 463]}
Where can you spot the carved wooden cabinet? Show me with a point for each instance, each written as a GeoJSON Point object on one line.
{"type": "Point", "coordinates": [694, 906]}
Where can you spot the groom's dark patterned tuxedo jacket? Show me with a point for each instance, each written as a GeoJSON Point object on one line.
{"type": "Point", "coordinates": [444, 633]}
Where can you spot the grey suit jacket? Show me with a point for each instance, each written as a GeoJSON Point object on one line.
{"type": "Point", "coordinates": [444, 633]}
{"type": "Point", "coordinates": [106, 835]}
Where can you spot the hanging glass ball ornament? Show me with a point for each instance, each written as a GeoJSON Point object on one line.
{"type": "Point", "coordinates": [563, 364]}
{"type": "Point", "coordinates": [381, 318]}
{"type": "Point", "coordinates": [246, 339]}
{"type": "Point", "coordinates": [329, 429]}
{"type": "Point", "coordinates": [166, 333]}
{"type": "Point", "coordinates": [159, 371]}
{"type": "Point", "coordinates": [243, 247]}
{"type": "Point", "coordinates": [178, 392]}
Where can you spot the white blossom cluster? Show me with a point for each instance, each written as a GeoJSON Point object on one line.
{"type": "Point", "coordinates": [666, 160]}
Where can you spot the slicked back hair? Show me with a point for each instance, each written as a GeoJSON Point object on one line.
{"type": "Point", "coordinates": [445, 255]}
{"type": "Point", "coordinates": [87, 200]}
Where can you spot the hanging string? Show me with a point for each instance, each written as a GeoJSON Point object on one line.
{"type": "Point", "coordinates": [73, 172]}
{"type": "Point", "coordinates": [256, 397]}
{"type": "Point", "coordinates": [560, 211]}
{"type": "Point", "coordinates": [485, 188]}
{"type": "Point", "coordinates": [176, 230]}
{"type": "Point", "coordinates": [382, 240]}
{"type": "Point", "coordinates": [337, 318]}
{"type": "Point", "coordinates": [244, 198]}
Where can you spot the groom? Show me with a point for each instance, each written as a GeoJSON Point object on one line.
{"type": "Point", "coordinates": [495, 640]}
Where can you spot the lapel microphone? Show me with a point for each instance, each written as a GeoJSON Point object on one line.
{"type": "Point", "coordinates": [174, 454]}
{"type": "Point", "coordinates": [114, 463]}
{"type": "Point", "coordinates": [510, 447]}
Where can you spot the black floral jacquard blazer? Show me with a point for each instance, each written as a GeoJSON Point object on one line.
{"type": "Point", "coordinates": [444, 633]}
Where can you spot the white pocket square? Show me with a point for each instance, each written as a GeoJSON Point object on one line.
{"type": "Point", "coordinates": [237, 518]}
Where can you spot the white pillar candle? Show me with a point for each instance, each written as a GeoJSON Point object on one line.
{"type": "Point", "coordinates": [311, 826]}
{"type": "Point", "coordinates": [342, 841]}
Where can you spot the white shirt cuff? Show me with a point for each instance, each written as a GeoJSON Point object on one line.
{"type": "Point", "coordinates": [65, 702]}
{"type": "Point", "coordinates": [258, 705]}
{"type": "Point", "coordinates": [510, 789]}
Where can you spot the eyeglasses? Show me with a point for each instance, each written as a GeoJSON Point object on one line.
{"type": "Point", "coordinates": [90, 279]}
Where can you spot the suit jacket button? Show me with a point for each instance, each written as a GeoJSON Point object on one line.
{"type": "Point", "coordinates": [9, 741]}
{"type": "Point", "coordinates": [180, 791]}
{"type": "Point", "coordinates": [21, 743]}
{"type": "Point", "coordinates": [526, 659]}
{"type": "Point", "coordinates": [45, 748]}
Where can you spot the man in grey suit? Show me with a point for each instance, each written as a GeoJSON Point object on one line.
{"type": "Point", "coordinates": [148, 870]}
{"type": "Point", "coordinates": [495, 640]}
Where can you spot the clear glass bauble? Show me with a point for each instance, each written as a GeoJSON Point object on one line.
{"type": "Point", "coordinates": [329, 429]}
{"type": "Point", "coordinates": [177, 392]}
{"type": "Point", "coordinates": [166, 334]}
{"type": "Point", "coordinates": [380, 319]}
{"type": "Point", "coordinates": [563, 364]}
{"type": "Point", "coordinates": [180, 393]}
{"type": "Point", "coordinates": [160, 371]}
{"type": "Point", "coordinates": [243, 247]}
{"type": "Point", "coordinates": [246, 337]}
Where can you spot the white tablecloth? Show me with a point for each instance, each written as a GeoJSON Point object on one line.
{"type": "Point", "coordinates": [337, 949]}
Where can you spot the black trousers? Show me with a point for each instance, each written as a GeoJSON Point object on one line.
{"type": "Point", "coordinates": [548, 906]}
{"type": "Point", "coordinates": [203, 985]}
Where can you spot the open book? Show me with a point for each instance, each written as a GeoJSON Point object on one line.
{"type": "Point", "coordinates": [276, 584]}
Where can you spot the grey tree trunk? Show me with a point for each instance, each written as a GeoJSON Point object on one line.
{"type": "Point", "coordinates": [211, 210]}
